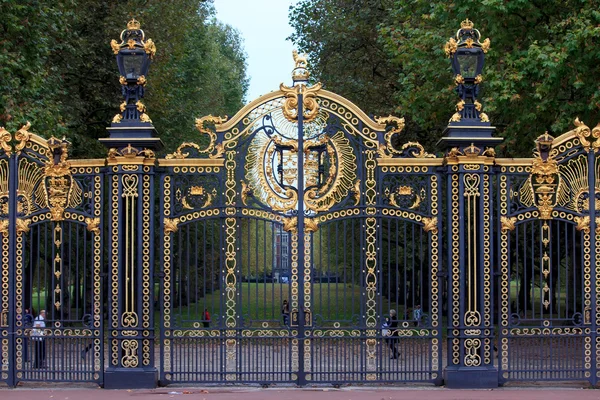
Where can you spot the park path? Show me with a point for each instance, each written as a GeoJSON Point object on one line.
{"type": "Point", "coordinates": [348, 393]}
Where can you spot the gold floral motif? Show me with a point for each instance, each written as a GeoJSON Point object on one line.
{"type": "Point", "coordinates": [141, 80]}
{"type": "Point", "coordinates": [430, 225]}
{"type": "Point", "coordinates": [449, 48]}
{"type": "Point", "coordinates": [583, 223]}
{"type": "Point", "coordinates": [485, 45]}
{"type": "Point", "coordinates": [290, 224]}
{"type": "Point", "coordinates": [145, 118]}
{"type": "Point", "coordinates": [483, 117]}
{"type": "Point", "coordinates": [123, 106]}
{"type": "Point", "coordinates": [117, 119]}
{"type": "Point", "coordinates": [508, 223]}
{"type": "Point", "coordinates": [458, 79]}
{"type": "Point", "coordinates": [171, 225]}
{"type": "Point", "coordinates": [292, 144]}
{"type": "Point", "coordinates": [597, 225]}
{"type": "Point", "coordinates": [93, 225]}
{"type": "Point", "coordinates": [478, 79]}
{"type": "Point", "coordinates": [122, 80]}
{"type": "Point", "coordinates": [455, 117]}
{"type": "Point", "coordinates": [150, 48]}
{"type": "Point", "coordinates": [23, 225]}
{"type": "Point", "coordinates": [4, 227]}
{"type": "Point", "coordinates": [115, 46]}
{"type": "Point", "coordinates": [489, 152]}
{"type": "Point", "coordinates": [138, 105]}
{"type": "Point", "coordinates": [311, 224]}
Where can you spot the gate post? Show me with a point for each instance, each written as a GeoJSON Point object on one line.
{"type": "Point", "coordinates": [131, 164]}
{"type": "Point", "coordinates": [469, 158]}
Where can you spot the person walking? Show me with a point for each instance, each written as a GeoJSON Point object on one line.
{"type": "Point", "coordinates": [285, 312]}
{"type": "Point", "coordinates": [392, 326]}
{"type": "Point", "coordinates": [37, 334]}
{"type": "Point", "coordinates": [206, 320]}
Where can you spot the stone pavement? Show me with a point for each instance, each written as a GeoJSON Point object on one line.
{"type": "Point", "coordinates": [347, 393]}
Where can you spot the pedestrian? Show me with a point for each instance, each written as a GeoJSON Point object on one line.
{"type": "Point", "coordinates": [27, 323]}
{"type": "Point", "coordinates": [417, 313]}
{"type": "Point", "coordinates": [206, 320]}
{"type": "Point", "coordinates": [392, 325]}
{"type": "Point", "coordinates": [37, 334]}
{"type": "Point", "coordinates": [285, 312]}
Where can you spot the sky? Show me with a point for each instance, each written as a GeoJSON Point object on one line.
{"type": "Point", "coordinates": [263, 24]}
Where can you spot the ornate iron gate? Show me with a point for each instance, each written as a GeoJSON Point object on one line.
{"type": "Point", "coordinates": [51, 259]}
{"type": "Point", "coordinates": [547, 247]}
{"type": "Point", "coordinates": [286, 207]}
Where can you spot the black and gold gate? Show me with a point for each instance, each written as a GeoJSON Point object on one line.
{"type": "Point", "coordinates": [50, 225]}
{"type": "Point", "coordinates": [288, 239]}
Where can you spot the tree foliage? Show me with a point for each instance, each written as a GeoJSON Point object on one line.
{"type": "Point", "coordinates": [540, 74]}
{"type": "Point", "coordinates": [57, 69]}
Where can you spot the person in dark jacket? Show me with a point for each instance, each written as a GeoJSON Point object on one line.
{"type": "Point", "coordinates": [392, 323]}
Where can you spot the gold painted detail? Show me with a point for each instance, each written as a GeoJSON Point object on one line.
{"type": "Point", "coordinates": [430, 224]}
{"type": "Point", "coordinates": [543, 184]}
{"type": "Point", "coordinates": [394, 126]}
{"type": "Point", "coordinates": [588, 138]}
{"type": "Point", "coordinates": [93, 225]}
{"type": "Point", "coordinates": [467, 37]}
{"type": "Point", "coordinates": [583, 223]}
{"type": "Point", "coordinates": [23, 135]}
{"type": "Point", "coordinates": [130, 357]}
{"type": "Point", "coordinates": [129, 152]}
{"type": "Point", "coordinates": [4, 227]}
{"type": "Point", "coordinates": [171, 225]}
{"type": "Point", "coordinates": [23, 225]}
{"type": "Point", "coordinates": [147, 45]}
{"type": "Point", "coordinates": [508, 223]}
{"type": "Point", "coordinates": [311, 224]}
{"type": "Point", "coordinates": [5, 138]}
{"type": "Point", "coordinates": [290, 224]}
{"type": "Point", "coordinates": [310, 108]}
{"type": "Point", "coordinates": [198, 197]}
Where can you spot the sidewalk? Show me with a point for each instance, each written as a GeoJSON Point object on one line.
{"type": "Point", "coordinates": [348, 393]}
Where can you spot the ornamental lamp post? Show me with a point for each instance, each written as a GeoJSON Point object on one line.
{"type": "Point", "coordinates": [134, 54]}
{"type": "Point", "coordinates": [469, 124]}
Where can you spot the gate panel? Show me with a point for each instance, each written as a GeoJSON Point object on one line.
{"type": "Point", "coordinates": [57, 218]}
{"type": "Point", "coordinates": [546, 289]}
{"type": "Point", "coordinates": [192, 290]}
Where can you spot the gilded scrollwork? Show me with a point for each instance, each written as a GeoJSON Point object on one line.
{"type": "Point", "coordinates": [22, 136]}
{"type": "Point", "coordinates": [5, 138]}
{"type": "Point", "coordinates": [310, 108]}
{"type": "Point", "coordinates": [394, 126]}
{"type": "Point", "coordinates": [4, 227]}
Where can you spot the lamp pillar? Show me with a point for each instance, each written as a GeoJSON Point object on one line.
{"type": "Point", "coordinates": [131, 162]}
{"type": "Point", "coordinates": [470, 156]}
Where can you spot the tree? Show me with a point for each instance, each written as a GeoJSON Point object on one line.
{"type": "Point", "coordinates": [540, 74]}
{"type": "Point", "coordinates": [59, 73]}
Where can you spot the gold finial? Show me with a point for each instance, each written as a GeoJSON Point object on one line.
{"type": "Point", "coordinates": [133, 24]}
{"type": "Point", "coordinates": [300, 60]}
{"type": "Point", "coordinates": [300, 72]}
{"type": "Point", "coordinates": [466, 24]}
